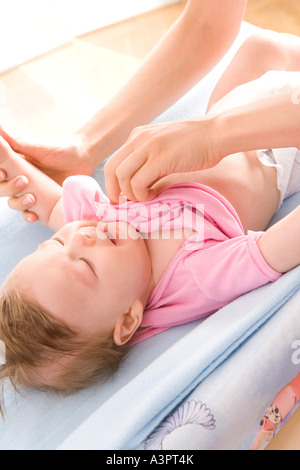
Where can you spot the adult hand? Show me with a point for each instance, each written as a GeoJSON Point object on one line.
{"type": "Point", "coordinates": [158, 150]}
{"type": "Point", "coordinates": [11, 189]}
{"type": "Point", "coordinates": [57, 161]}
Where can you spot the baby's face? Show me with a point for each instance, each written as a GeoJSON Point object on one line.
{"type": "Point", "coordinates": [84, 277]}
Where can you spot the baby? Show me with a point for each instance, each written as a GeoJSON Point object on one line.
{"type": "Point", "coordinates": [114, 275]}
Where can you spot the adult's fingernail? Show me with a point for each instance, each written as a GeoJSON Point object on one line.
{"type": "Point", "coordinates": [1, 176]}
{"type": "Point", "coordinates": [22, 181]}
{"type": "Point", "coordinates": [28, 200]}
{"type": "Point", "coordinates": [30, 218]}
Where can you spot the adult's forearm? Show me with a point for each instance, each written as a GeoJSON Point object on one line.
{"type": "Point", "coordinates": [272, 122]}
{"type": "Point", "coordinates": [191, 48]}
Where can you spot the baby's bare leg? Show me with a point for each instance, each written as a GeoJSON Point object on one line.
{"type": "Point", "coordinates": [259, 54]}
{"type": "Point", "coordinates": [249, 185]}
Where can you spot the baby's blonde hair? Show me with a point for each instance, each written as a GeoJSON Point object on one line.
{"type": "Point", "coordinates": [43, 352]}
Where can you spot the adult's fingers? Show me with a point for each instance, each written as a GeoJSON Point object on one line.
{"type": "Point", "coordinates": [127, 170]}
{"type": "Point", "coordinates": [121, 166]}
{"type": "Point", "coordinates": [111, 180]}
{"type": "Point", "coordinates": [111, 184]}
{"type": "Point", "coordinates": [17, 144]}
{"type": "Point", "coordinates": [133, 177]}
{"type": "Point", "coordinates": [22, 203]}
{"type": "Point", "coordinates": [143, 180]}
{"type": "Point", "coordinates": [131, 174]}
{"type": "Point", "coordinates": [13, 186]}
{"type": "Point", "coordinates": [30, 217]}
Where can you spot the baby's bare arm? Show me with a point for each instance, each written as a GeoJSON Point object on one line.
{"type": "Point", "coordinates": [280, 244]}
{"type": "Point", "coordinates": [48, 194]}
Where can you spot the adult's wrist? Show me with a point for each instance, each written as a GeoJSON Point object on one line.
{"type": "Point", "coordinates": [216, 142]}
{"type": "Point", "coordinates": [271, 122]}
{"type": "Point", "coordinates": [102, 136]}
{"type": "Point", "coordinates": [235, 132]}
{"type": "Point", "coordinates": [88, 149]}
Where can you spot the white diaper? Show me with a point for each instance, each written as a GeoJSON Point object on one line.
{"type": "Point", "coordinates": [287, 163]}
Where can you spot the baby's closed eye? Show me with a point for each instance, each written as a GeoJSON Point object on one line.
{"type": "Point", "coordinates": [90, 265]}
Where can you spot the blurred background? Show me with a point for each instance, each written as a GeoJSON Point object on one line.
{"type": "Point", "coordinates": [31, 27]}
{"type": "Point", "coordinates": [61, 60]}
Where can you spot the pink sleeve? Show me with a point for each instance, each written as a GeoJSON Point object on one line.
{"type": "Point", "coordinates": [80, 193]}
{"type": "Point", "coordinates": [232, 268]}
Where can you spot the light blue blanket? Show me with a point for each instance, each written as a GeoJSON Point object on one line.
{"type": "Point", "coordinates": [158, 389]}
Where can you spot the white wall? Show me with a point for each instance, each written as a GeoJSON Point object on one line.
{"type": "Point", "coordinates": [29, 28]}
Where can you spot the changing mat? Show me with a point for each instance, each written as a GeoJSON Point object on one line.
{"type": "Point", "coordinates": [202, 385]}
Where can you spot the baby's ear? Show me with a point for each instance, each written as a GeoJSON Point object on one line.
{"type": "Point", "coordinates": [127, 323]}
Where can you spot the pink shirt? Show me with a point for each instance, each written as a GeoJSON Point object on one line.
{"type": "Point", "coordinates": [213, 267]}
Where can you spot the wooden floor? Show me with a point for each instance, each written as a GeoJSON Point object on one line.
{"type": "Point", "coordinates": [280, 15]}
{"type": "Point", "coordinates": [50, 97]}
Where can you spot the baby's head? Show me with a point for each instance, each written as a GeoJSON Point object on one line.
{"type": "Point", "coordinates": [68, 310]}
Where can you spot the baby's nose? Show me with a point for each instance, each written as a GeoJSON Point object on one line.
{"type": "Point", "coordinates": [85, 238]}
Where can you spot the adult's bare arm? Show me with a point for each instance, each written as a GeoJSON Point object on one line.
{"type": "Point", "coordinates": [271, 122]}
{"type": "Point", "coordinates": [188, 51]}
